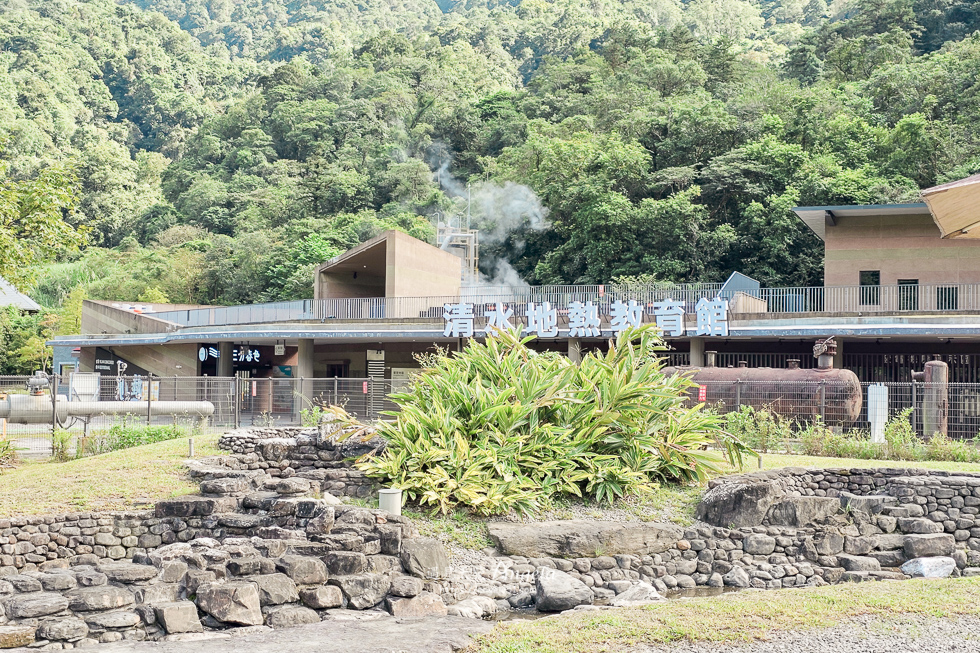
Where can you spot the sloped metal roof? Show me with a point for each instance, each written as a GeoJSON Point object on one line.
{"type": "Point", "coordinates": [10, 296]}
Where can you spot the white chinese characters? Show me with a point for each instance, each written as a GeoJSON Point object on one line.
{"type": "Point", "coordinates": [498, 319]}
{"type": "Point", "coordinates": [583, 320]}
{"type": "Point", "coordinates": [459, 320]}
{"type": "Point", "coordinates": [542, 320]}
{"type": "Point", "coordinates": [712, 317]}
{"type": "Point", "coordinates": [669, 315]}
{"type": "Point", "coordinates": [623, 316]}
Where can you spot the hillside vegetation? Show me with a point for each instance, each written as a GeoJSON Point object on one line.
{"type": "Point", "coordinates": [214, 150]}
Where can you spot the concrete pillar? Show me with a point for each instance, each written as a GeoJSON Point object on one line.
{"type": "Point", "coordinates": [225, 363]}
{"type": "Point", "coordinates": [935, 398]}
{"type": "Point", "coordinates": [697, 352]}
{"type": "Point", "coordinates": [304, 359]}
{"type": "Point", "coordinates": [304, 371]}
{"type": "Point", "coordinates": [839, 356]}
{"type": "Point", "coordinates": [575, 350]}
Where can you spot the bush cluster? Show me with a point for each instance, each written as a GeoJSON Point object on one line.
{"type": "Point", "coordinates": [766, 431]}
{"type": "Point", "coordinates": [500, 427]}
{"type": "Point", "coordinates": [120, 435]}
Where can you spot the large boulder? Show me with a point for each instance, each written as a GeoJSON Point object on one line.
{"type": "Point", "coordinates": [800, 512]}
{"type": "Point", "coordinates": [99, 597]}
{"type": "Point", "coordinates": [738, 504]}
{"type": "Point", "coordinates": [939, 567]}
{"type": "Point", "coordinates": [758, 544]}
{"type": "Point", "coordinates": [364, 590]}
{"type": "Point", "coordinates": [322, 597]}
{"type": "Point", "coordinates": [581, 539]}
{"type": "Point", "coordinates": [425, 557]}
{"type": "Point", "coordinates": [736, 577]}
{"type": "Point", "coordinates": [67, 629]}
{"type": "Point", "coordinates": [178, 617]}
{"type": "Point", "coordinates": [556, 591]}
{"type": "Point", "coordinates": [927, 546]}
{"type": "Point", "coordinates": [286, 616]}
{"type": "Point", "coordinates": [236, 602]}
{"type": "Point", "coordinates": [35, 604]}
{"type": "Point", "coordinates": [275, 589]}
{"type": "Point", "coordinates": [638, 594]}
{"type": "Point", "coordinates": [304, 570]}
{"type": "Point", "coordinates": [127, 572]}
{"type": "Point", "coordinates": [858, 563]}
{"type": "Point", "coordinates": [425, 604]}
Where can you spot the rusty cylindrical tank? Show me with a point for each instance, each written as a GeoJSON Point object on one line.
{"type": "Point", "coordinates": [798, 394]}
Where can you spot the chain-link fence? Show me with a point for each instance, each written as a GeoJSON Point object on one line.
{"type": "Point", "coordinates": [841, 404]}
{"type": "Point", "coordinates": [91, 405]}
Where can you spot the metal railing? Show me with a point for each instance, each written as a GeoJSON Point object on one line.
{"type": "Point", "coordinates": [822, 299]}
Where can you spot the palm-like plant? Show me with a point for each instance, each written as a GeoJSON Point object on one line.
{"type": "Point", "coordinates": [500, 427]}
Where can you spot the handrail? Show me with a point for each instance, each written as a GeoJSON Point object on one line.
{"type": "Point", "coordinates": [816, 299]}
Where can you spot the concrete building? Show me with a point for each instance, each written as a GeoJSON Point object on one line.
{"type": "Point", "coordinates": [897, 293]}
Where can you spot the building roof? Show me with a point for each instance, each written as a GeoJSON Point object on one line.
{"type": "Point", "coordinates": [10, 296]}
{"type": "Point", "coordinates": [954, 207]}
{"type": "Point", "coordinates": [818, 217]}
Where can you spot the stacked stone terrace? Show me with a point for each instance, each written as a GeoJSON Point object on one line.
{"type": "Point", "coordinates": [268, 543]}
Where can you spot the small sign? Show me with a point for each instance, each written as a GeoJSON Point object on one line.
{"type": "Point", "coordinates": [702, 393]}
{"type": "Point", "coordinates": [365, 387]}
{"type": "Point", "coordinates": [280, 350]}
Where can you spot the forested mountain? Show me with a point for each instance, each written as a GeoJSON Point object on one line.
{"type": "Point", "coordinates": [214, 150]}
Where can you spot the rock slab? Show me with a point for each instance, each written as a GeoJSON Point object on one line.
{"type": "Point", "coordinates": [582, 539]}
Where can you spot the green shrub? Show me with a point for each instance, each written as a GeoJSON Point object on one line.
{"type": "Point", "coordinates": [123, 435]}
{"type": "Point", "coordinates": [763, 430]}
{"type": "Point", "coordinates": [499, 426]}
{"type": "Point", "coordinates": [901, 443]}
{"type": "Point", "coordinates": [62, 442]}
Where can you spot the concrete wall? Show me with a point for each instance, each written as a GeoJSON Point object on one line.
{"type": "Point", "coordinates": [391, 265]}
{"type": "Point", "coordinates": [901, 247]}
{"type": "Point", "coordinates": [100, 317]}
{"type": "Point", "coordinates": [414, 268]}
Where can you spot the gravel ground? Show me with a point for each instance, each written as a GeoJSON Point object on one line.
{"type": "Point", "coordinates": [905, 634]}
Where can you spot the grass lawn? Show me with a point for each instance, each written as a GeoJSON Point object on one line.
{"type": "Point", "coordinates": [772, 461]}
{"type": "Point", "coordinates": [735, 617]}
{"type": "Point", "coordinates": [120, 480]}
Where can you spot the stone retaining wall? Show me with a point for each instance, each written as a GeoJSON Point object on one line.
{"type": "Point", "coordinates": [267, 544]}
{"type": "Point", "coordinates": [308, 453]}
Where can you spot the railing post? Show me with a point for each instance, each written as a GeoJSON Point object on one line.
{"type": "Point", "coordinates": [149, 399]}
{"type": "Point", "coordinates": [54, 405]}
{"type": "Point", "coordinates": [738, 393]}
{"type": "Point", "coordinates": [915, 411]}
{"type": "Point", "coordinates": [823, 400]}
{"type": "Point", "coordinates": [236, 398]}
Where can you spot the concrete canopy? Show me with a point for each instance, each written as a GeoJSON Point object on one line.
{"type": "Point", "coordinates": [818, 218]}
{"type": "Point", "coordinates": [392, 264]}
{"type": "Point", "coordinates": [955, 207]}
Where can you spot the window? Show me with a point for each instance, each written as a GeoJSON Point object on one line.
{"type": "Point", "coordinates": [908, 294]}
{"type": "Point", "coordinates": [870, 287]}
{"type": "Point", "coordinates": [947, 298]}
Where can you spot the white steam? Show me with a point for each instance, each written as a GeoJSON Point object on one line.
{"type": "Point", "coordinates": [498, 211]}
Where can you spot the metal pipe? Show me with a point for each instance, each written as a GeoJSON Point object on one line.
{"type": "Point", "coordinates": [27, 409]}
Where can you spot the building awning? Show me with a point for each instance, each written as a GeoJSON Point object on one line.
{"type": "Point", "coordinates": [955, 207]}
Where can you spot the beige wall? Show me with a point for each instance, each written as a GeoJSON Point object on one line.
{"type": "Point", "coordinates": [417, 269]}
{"type": "Point", "coordinates": [391, 265]}
{"type": "Point", "coordinates": [100, 317]}
{"type": "Point", "coordinates": [901, 247]}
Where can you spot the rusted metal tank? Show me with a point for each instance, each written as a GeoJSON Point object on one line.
{"type": "Point", "coordinates": [799, 394]}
